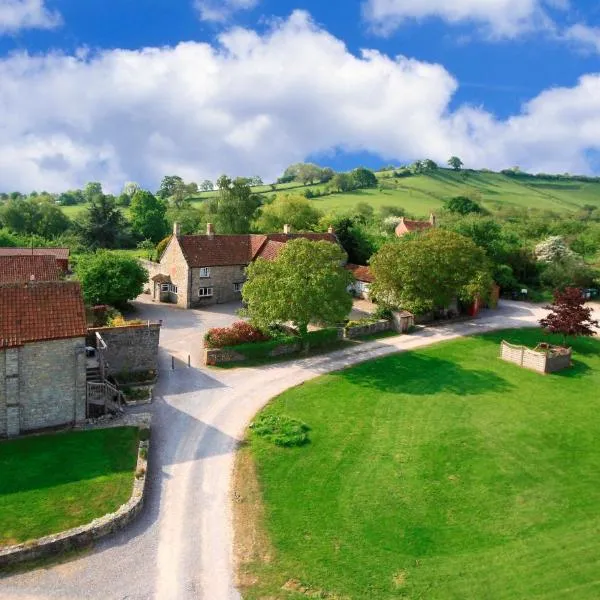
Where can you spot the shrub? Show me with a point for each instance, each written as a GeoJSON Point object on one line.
{"type": "Point", "coordinates": [240, 332]}
{"type": "Point", "coordinates": [323, 337]}
{"type": "Point", "coordinates": [281, 430]}
{"type": "Point", "coordinates": [259, 350]}
{"type": "Point", "coordinates": [383, 312]}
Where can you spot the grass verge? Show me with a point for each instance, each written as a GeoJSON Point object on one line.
{"type": "Point", "coordinates": [51, 483]}
{"type": "Point", "coordinates": [443, 473]}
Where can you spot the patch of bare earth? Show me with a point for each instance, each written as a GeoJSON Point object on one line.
{"type": "Point", "coordinates": [251, 543]}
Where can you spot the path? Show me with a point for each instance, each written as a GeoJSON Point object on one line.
{"type": "Point", "coordinates": [180, 547]}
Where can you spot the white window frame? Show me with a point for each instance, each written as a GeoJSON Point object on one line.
{"type": "Point", "coordinates": [205, 292]}
{"type": "Point", "coordinates": [204, 272]}
{"type": "Point", "coordinates": [237, 287]}
{"type": "Point", "coordinates": [168, 287]}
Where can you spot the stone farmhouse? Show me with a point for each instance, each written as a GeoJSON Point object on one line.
{"type": "Point", "coordinates": [407, 226]}
{"type": "Point", "coordinates": [363, 278]}
{"type": "Point", "coordinates": [60, 254]}
{"type": "Point", "coordinates": [42, 356]}
{"type": "Point", "coordinates": [199, 270]}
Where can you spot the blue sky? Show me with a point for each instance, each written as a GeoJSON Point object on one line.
{"type": "Point", "coordinates": [248, 86]}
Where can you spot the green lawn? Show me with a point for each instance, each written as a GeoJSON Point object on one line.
{"type": "Point", "coordinates": [51, 483]}
{"type": "Point", "coordinates": [439, 474]}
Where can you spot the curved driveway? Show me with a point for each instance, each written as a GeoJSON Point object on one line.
{"type": "Point", "coordinates": [181, 546]}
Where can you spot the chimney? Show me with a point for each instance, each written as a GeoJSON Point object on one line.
{"type": "Point", "coordinates": [287, 229]}
{"type": "Point", "coordinates": [176, 229]}
{"type": "Point", "coordinates": [432, 220]}
{"type": "Point", "coordinates": [210, 230]}
{"type": "Point", "coordinates": [32, 277]}
{"type": "Point", "coordinates": [330, 229]}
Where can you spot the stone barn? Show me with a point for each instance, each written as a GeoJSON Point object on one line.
{"type": "Point", "coordinates": [42, 356]}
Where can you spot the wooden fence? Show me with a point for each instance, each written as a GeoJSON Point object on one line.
{"type": "Point", "coordinates": [544, 359]}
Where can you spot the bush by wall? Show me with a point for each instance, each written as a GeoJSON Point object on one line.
{"type": "Point", "coordinates": [323, 337]}
{"type": "Point", "coordinates": [240, 332]}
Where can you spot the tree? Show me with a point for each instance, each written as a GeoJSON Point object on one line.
{"type": "Point", "coordinates": [92, 190]}
{"type": "Point", "coordinates": [51, 221]}
{"type": "Point", "coordinates": [305, 284]}
{"type": "Point", "coordinates": [34, 217]}
{"type": "Point", "coordinates": [429, 272]}
{"type": "Point", "coordinates": [71, 197]}
{"type": "Point", "coordinates": [148, 216]}
{"type": "Point", "coordinates": [289, 210]}
{"type": "Point", "coordinates": [353, 237]}
{"type": "Point", "coordinates": [190, 219]}
{"type": "Point", "coordinates": [455, 163]}
{"type": "Point", "coordinates": [168, 186]}
{"type": "Point", "coordinates": [102, 225]}
{"type": "Point", "coordinates": [363, 178]}
{"type": "Point", "coordinates": [110, 278]}
{"type": "Point", "coordinates": [207, 186]}
{"type": "Point", "coordinates": [343, 182]}
{"type": "Point", "coordinates": [327, 174]}
{"type": "Point", "coordinates": [234, 207]}
{"type": "Point", "coordinates": [552, 249]}
{"type": "Point", "coordinates": [462, 205]}
{"type": "Point", "coordinates": [569, 316]}
{"type": "Point", "coordinates": [363, 213]}
{"type": "Point", "coordinates": [130, 188]}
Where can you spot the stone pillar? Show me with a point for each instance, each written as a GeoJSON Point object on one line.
{"type": "Point", "coordinates": [13, 408]}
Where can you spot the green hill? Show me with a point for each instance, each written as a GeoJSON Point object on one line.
{"type": "Point", "coordinates": [420, 194]}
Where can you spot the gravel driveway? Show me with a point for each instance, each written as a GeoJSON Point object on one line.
{"type": "Point", "coordinates": [180, 547]}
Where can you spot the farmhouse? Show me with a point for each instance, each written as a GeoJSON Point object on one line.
{"type": "Point", "coordinates": [198, 270]}
{"type": "Point", "coordinates": [363, 278]}
{"type": "Point", "coordinates": [18, 268]}
{"type": "Point", "coordinates": [407, 226]}
{"type": "Point", "coordinates": [42, 356]}
{"type": "Point", "coordinates": [60, 254]}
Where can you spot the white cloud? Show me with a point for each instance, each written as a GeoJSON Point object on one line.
{"type": "Point", "coordinates": [585, 37]}
{"type": "Point", "coordinates": [16, 15]}
{"type": "Point", "coordinates": [220, 11]}
{"type": "Point", "coordinates": [253, 104]}
{"type": "Point", "coordinates": [499, 18]}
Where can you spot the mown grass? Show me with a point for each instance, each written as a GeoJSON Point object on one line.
{"type": "Point", "coordinates": [439, 474]}
{"type": "Point", "coordinates": [50, 483]}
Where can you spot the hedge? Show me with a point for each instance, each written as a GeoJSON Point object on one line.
{"type": "Point", "coordinates": [323, 337]}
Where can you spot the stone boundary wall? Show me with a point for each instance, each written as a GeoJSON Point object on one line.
{"type": "Point", "coordinates": [130, 349]}
{"type": "Point", "coordinates": [219, 356]}
{"type": "Point", "coordinates": [542, 362]}
{"type": "Point", "coordinates": [80, 537]}
{"type": "Point", "coordinates": [370, 329]}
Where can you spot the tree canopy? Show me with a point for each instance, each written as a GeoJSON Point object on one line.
{"type": "Point", "coordinates": [569, 316]}
{"type": "Point", "coordinates": [429, 272]}
{"type": "Point", "coordinates": [455, 163]}
{"type": "Point", "coordinates": [463, 205]}
{"type": "Point", "coordinates": [103, 224]}
{"type": "Point", "coordinates": [291, 210]}
{"type": "Point", "coordinates": [305, 284]}
{"type": "Point", "coordinates": [234, 206]}
{"type": "Point", "coordinates": [147, 216]}
{"type": "Point", "coordinates": [110, 278]}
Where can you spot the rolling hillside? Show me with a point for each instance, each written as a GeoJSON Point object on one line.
{"type": "Point", "coordinates": [420, 194]}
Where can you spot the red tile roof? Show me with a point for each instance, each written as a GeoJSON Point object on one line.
{"type": "Point", "coordinates": [407, 226]}
{"type": "Point", "coordinates": [361, 273]}
{"type": "Point", "coordinates": [58, 253]}
{"type": "Point", "coordinates": [39, 311]}
{"type": "Point", "coordinates": [14, 269]}
{"type": "Point", "coordinates": [227, 250]}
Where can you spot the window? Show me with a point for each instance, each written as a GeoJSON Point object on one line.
{"type": "Point", "coordinates": [237, 287]}
{"type": "Point", "coordinates": [205, 292]}
{"type": "Point", "coordinates": [168, 287]}
{"type": "Point", "coordinates": [205, 273]}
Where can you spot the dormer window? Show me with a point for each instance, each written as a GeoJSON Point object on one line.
{"type": "Point", "coordinates": [205, 272]}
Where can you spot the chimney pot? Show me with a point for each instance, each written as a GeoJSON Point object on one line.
{"type": "Point", "coordinates": [210, 229]}
{"type": "Point", "coordinates": [176, 229]}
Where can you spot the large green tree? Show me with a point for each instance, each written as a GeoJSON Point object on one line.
{"type": "Point", "coordinates": [305, 284]}
{"type": "Point", "coordinates": [92, 190]}
{"type": "Point", "coordinates": [429, 272]}
{"type": "Point", "coordinates": [168, 185]}
{"type": "Point", "coordinates": [35, 216]}
{"type": "Point", "coordinates": [291, 210]}
{"type": "Point", "coordinates": [110, 278]}
{"type": "Point", "coordinates": [234, 206]}
{"type": "Point", "coordinates": [363, 178]}
{"type": "Point", "coordinates": [103, 225]}
{"type": "Point", "coordinates": [148, 216]}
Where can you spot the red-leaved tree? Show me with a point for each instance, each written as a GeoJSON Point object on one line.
{"type": "Point", "coordinates": [569, 316]}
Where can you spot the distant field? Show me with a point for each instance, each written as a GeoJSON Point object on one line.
{"type": "Point", "coordinates": [421, 194]}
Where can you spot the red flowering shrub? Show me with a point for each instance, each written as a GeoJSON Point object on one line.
{"type": "Point", "coordinates": [239, 333]}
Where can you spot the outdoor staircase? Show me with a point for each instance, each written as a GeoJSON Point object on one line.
{"type": "Point", "coordinates": [93, 375]}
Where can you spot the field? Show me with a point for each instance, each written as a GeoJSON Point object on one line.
{"type": "Point", "coordinates": [421, 194]}
{"type": "Point", "coordinates": [51, 483]}
{"type": "Point", "coordinates": [439, 474]}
